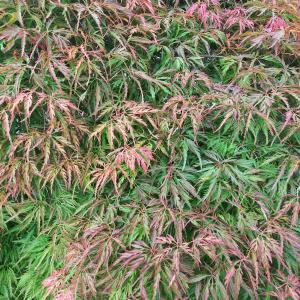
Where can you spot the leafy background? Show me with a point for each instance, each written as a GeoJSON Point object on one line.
{"type": "Point", "coordinates": [149, 149]}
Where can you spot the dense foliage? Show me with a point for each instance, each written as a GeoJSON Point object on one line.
{"type": "Point", "coordinates": [149, 149]}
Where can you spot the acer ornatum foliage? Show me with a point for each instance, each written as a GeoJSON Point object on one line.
{"type": "Point", "coordinates": [275, 24]}
{"type": "Point", "coordinates": [149, 149]}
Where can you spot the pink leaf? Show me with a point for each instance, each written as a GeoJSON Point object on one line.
{"type": "Point", "coordinates": [275, 24]}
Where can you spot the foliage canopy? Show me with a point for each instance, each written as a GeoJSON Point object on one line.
{"type": "Point", "coordinates": [149, 149]}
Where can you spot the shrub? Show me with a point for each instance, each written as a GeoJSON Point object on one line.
{"type": "Point", "coordinates": [149, 149]}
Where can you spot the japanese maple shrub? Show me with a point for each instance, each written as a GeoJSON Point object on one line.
{"type": "Point", "coordinates": [149, 149]}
